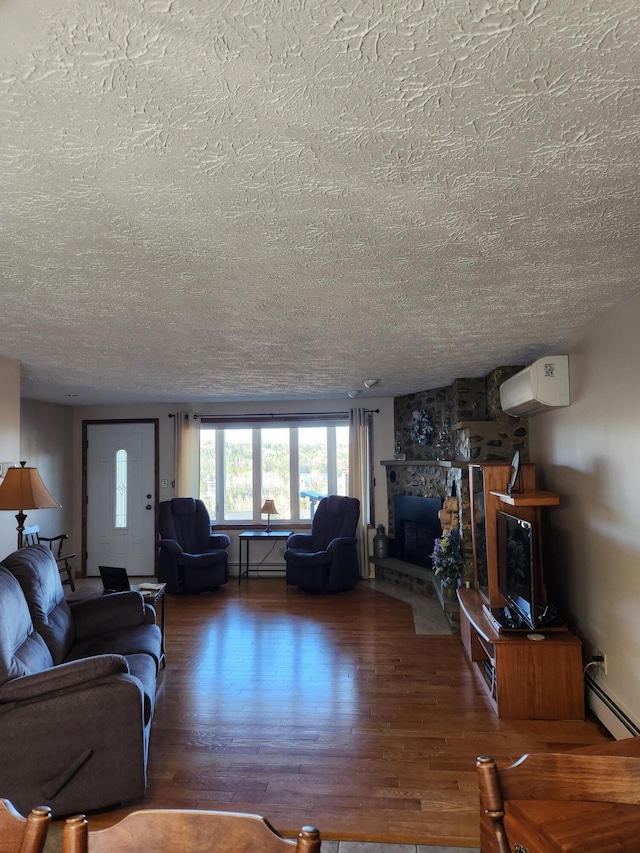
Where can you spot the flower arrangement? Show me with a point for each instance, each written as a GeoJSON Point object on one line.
{"type": "Point", "coordinates": [421, 427]}
{"type": "Point", "coordinates": [447, 559]}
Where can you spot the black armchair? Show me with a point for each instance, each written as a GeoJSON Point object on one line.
{"type": "Point", "coordinates": [326, 560]}
{"type": "Point", "coordinates": [192, 560]}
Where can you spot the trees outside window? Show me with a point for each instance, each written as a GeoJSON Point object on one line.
{"type": "Point", "coordinates": [241, 466]}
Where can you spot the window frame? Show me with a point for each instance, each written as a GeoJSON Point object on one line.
{"type": "Point", "coordinates": [291, 421]}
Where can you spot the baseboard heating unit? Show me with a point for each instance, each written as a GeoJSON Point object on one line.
{"type": "Point", "coordinates": [608, 712]}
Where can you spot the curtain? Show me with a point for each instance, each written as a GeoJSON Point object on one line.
{"type": "Point", "coordinates": [359, 421]}
{"type": "Point", "coordinates": [187, 456]}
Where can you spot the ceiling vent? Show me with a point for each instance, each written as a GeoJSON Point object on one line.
{"type": "Point", "coordinates": [541, 386]}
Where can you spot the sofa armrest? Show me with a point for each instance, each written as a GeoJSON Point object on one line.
{"type": "Point", "coordinates": [65, 675]}
{"type": "Point", "coordinates": [149, 614]}
{"type": "Point", "coordinates": [108, 613]}
{"type": "Point", "coordinates": [219, 540]}
{"type": "Point", "coordinates": [78, 749]}
{"type": "Point", "coordinates": [170, 545]}
{"type": "Point", "coordinates": [300, 541]}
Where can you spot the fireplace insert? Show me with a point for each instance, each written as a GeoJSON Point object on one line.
{"type": "Point", "coordinates": [417, 526]}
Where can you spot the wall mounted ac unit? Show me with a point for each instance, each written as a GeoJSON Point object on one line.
{"type": "Point", "coordinates": [541, 386]}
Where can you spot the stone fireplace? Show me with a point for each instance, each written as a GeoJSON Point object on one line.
{"type": "Point", "coordinates": [467, 425]}
{"type": "Point", "coordinates": [434, 482]}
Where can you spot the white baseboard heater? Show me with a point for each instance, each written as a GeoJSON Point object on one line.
{"type": "Point", "coordinates": [609, 712]}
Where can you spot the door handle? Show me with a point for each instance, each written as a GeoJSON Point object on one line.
{"type": "Point", "coordinates": [148, 506]}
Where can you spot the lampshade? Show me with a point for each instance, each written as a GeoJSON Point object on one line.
{"type": "Point", "coordinates": [269, 509]}
{"type": "Point", "coordinates": [22, 488]}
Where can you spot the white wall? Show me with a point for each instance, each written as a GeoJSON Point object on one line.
{"type": "Point", "coordinates": [45, 443]}
{"type": "Point", "coordinates": [590, 454]}
{"type": "Point", "coordinates": [9, 440]}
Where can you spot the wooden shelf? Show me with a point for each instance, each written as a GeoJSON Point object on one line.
{"type": "Point", "coordinates": [529, 680]}
{"type": "Point", "coordinates": [425, 463]}
{"type": "Point", "coordinates": [528, 498]}
{"type": "Point", "coordinates": [474, 424]}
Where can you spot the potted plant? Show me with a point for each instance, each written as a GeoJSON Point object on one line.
{"type": "Point", "coordinates": [447, 561]}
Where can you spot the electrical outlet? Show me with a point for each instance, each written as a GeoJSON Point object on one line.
{"type": "Point", "coordinates": [601, 659]}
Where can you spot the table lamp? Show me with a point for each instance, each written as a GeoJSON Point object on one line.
{"type": "Point", "coordinates": [268, 509]}
{"type": "Point", "coordinates": [22, 488]}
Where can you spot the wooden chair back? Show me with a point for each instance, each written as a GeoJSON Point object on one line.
{"type": "Point", "coordinates": [23, 834]}
{"type": "Point", "coordinates": [31, 536]}
{"type": "Point", "coordinates": [554, 776]}
{"type": "Point", "coordinates": [186, 830]}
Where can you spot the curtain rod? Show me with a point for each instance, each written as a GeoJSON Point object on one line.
{"type": "Point", "coordinates": [278, 415]}
{"type": "Point", "coordinates": [273, 416]}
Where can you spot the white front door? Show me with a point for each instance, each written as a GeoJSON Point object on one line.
{"type": "Point", "coordinates": [121, 500]}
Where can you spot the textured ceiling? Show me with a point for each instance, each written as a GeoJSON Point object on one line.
{"type": "Point", "coordinates": [249, 198]}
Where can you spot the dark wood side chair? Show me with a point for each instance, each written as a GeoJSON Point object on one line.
{"type": "Point", "coordinates": [32, 536]}
{"type": "Point", "coordinates": [23, 834]}
{"type": "Point", "coordinates": [554, 779]}
{"type": "Point", "coordinates": [186, 830]}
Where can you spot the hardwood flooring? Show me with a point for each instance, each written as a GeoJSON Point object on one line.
{"type": "Point", "coordinates": [326, 710]}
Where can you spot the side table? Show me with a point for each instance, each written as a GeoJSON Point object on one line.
{"type": "Point", "coordinates": [153, 594]}
{"type": "Point", "coordinates": [249, 536]}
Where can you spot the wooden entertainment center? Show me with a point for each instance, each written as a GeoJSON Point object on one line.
{"type": "Point", "coordinates": [525, 677]}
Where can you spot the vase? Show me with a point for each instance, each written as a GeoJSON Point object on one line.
{"type": "Point", "coordinates": [380, 543]}
{"type": "Point", "coordinates": [442, 446]}
{"type": "Point", "coordinates": [448, 591]}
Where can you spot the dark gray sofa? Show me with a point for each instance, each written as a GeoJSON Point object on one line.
{"type": "Point", "coordinates": [77, 690]}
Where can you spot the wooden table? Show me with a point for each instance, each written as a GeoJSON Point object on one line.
{"type": "Point", "coordinates": [544, 826]}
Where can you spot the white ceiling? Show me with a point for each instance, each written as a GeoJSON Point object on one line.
{"type": "Point", "coordinates": [241, 199]}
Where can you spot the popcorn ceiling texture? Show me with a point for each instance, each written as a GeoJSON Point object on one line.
{"type": "Point", "coordinates": [246, 199]}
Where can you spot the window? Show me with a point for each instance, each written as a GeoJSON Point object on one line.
{"type": "Point", "coordinates": [296, 464]}
{"type": "Point", "coordinates": [120, 487]}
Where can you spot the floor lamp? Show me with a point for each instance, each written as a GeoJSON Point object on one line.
{"type": "Point", "coordinates": [22, 488]}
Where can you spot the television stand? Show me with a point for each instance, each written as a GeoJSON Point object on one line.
{"type": "Point", "coordinates": [524, 679]}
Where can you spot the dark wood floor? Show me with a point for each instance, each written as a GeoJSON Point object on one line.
{"type": "Point", "coordinates": [326, 710]}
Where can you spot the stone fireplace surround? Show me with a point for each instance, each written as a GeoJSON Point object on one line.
{"type": "Point", "coordinates": [469, 411]}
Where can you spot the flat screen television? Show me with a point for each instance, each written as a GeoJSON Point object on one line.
{"type": "Point", "coordinates": [516, 568]}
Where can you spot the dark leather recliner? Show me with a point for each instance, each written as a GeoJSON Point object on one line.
{"type": "Point", "coordinates": [326, 560]}
{"type": "Point", "coordinates": [192, 560]}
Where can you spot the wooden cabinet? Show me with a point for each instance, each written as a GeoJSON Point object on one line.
{"type": "Point", "coordinates": [487, 483]}
{"type": "Point", "coordinates": [524, 679]}
{"type": "Point", "coordinates": [487, 488]}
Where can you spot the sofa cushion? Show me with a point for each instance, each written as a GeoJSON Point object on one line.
{"type": "Point", "coordinates": [36, 571]}
{"type": "Point", "coordinates": [22, 650]}
{"type": "Point", "coordinates": [138, 639]}
{"type": "Point", "coordinates": [109, 613]}
{"type": "Point", "coordinates": [202, 561]}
